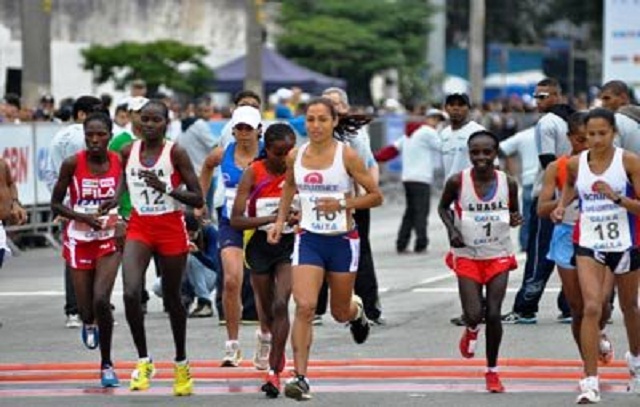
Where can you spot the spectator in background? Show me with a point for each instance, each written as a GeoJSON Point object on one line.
{"type": "Point", "coordinates": [523, 144]}
{"type": "Point", "coordinates": [138, 88]}
{"type": "Point", "coordinates": [282, 109]}
{"type": "Point", "coordinates": [107, 100]}
{"type": "Point", "coordinates": [202, 266]}
{"type": "Point", "coordinates": [65, 111]}
{"type": "Point", "coordinates": [196, 137]}
{"type": "Point", "coordinates": [46, 109]}
{"type": "Point", "coordinates": [121, 119]}
{"type": "Point", "coordinates": [615, 96]}
{"type": "Point", "coordinates": [12, 109]}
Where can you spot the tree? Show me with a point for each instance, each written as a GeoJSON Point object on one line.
{"type": "Point", "coordinates": [355, 39]}
{"type": "Point", "coordinates": [166, 62]}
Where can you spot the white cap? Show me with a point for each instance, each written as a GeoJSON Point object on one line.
{"type": "Point", "coordinates": [136, 103]}
{"type": "Point", "coordinates": [437, 112]}
{"type": "Point", "coordinates": [284, 93]}
{"type": "Point", "coordinates": [246, 115]}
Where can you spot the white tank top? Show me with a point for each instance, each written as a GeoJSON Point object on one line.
{"type": "Point", "coordinates": [332, 182]}
{"type": "Point", "coordinates": [603, 225]}
{"type": "Point", "coordinates": [484, 224]}
{"type": "Point", "coordinates": [146, 200]}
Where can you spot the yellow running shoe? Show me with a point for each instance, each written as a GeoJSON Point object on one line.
{"type": "Point", "coordinates": [141, 376]}
{"type": "Point", "coordinates": [183, 383]}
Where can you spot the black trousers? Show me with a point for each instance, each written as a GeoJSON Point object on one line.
{"type": "Point", "coordinates": [70, 302]}
{"type": "Point", "coordinates": [416, 214]}
{"type": "Point", "coordinates": [366, 285]}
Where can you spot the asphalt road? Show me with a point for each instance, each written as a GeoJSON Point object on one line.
{"type": "Point", "coordinates": [411, 361]}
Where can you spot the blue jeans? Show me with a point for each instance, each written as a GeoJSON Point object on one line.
{"type": "Point", "coordinates": [527, 200]}
{"type": "Point", "coordinates": [538, 267]}
{"type": "Point", "coordinates": [199, 280]}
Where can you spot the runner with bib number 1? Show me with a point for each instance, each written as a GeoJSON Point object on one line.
{"type": "Point", "coordinates": [485, 207]}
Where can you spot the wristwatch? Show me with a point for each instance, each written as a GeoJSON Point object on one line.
{"type": "Point", "coordinates": [168, 189]}
{"type": "Point", "coordinates": [343, 203]}
{"type": "Point", "coordinates": [618, 200]}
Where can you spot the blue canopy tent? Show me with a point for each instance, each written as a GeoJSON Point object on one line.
{"type": "Point", "coordinates": [277, 72]}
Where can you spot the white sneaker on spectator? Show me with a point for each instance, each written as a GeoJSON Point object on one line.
{"type": "Point", "coordinates": [73, 321]}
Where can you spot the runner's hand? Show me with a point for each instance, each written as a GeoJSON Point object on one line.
{"type": "Point", "coordinates": [455, 238]}
{"type": "Point", "coordinates": [557, 215]}
{"type": "Point", "coordinates": [107, 206]}
{"type": "Point", "coordinates": [91, 220]}
{"type": "Point", "coordinates": [18, 214]}
{"type": "Point", "coordinates": [515, 219]}
{"type": "Point", "coordinates": [152, 180]}
{"type": "Point", "coordinates": [275, 233]}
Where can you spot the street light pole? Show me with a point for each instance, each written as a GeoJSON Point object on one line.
{"type": "Point", "coordinates": [35, 22]}
{"type": "Point", "coordinates": [253, 60]}
{"type": "Point", "coordinates": [476, 50]}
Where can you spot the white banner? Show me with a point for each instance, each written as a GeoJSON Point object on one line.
{"type": "Point", "coordinates": [16, 145]}
{"type": "Point", "coordinates": [622, 42]}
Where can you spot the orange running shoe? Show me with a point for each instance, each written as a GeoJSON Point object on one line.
{"type": "Point", "coordinates": [468, 343]}
{"type": "Point", "coordinates": [494, 385]}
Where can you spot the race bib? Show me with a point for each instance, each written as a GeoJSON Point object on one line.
{"type": "Point", "coordinates": [268, 207]}
{"type": "Point", "coordinates": [605, 231]}
{"type": "Point", "coordinates": [84, 232]}
{"type": "Point", "coordinates": [484, 228]}
{"type": "Point", "coordinates": [149, 201]}
{"type": "Point", "coordinates": [229, 199]}
{"type": "Point", "coordinates": [321, 222]}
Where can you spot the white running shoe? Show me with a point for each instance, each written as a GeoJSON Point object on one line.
{"type": "Point", "coordinates": [263, 349]}
{"type": "Point", "coordinates": [73, 321]}
{"type": "Point", "coordinates": [634, 371]}
{"type": "Point", "coordinates": [589, 391]}
{"type": "Point", "coordinates": [232, 354]}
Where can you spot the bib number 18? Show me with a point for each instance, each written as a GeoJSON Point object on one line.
{"type": "Point", "coordinates": [608, 231]}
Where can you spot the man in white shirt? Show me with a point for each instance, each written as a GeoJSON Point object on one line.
{"type": "Point", "coordinates": [417, 176]}
{"type": "Point", "coordinates": [523, 144]}
{"type": "Point", "coordinates": [551, 142]}
{"type": "Point", "coordinates": [455, 152]}
{"type": "Point", "coordinates": [615, 96]}
{"type": "Point", "coordinates": [66, 143]}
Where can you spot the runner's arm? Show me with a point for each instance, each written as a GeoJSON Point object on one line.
{"type": "Point", "coordinates": [356, 168]}
{"type": "Point", "coordinates": [238, 219]}
{"type": "Point", "coordinates": [210, 163]}
{"type": "Point", "coordinates": [449, 195]}
{"type": "Point", "coordinates": [547, 201]}
{"type": "Point", "coordinates": [192, 195]}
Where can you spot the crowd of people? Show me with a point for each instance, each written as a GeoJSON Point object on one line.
{"type": "Point", "coordinates": [249, 215]}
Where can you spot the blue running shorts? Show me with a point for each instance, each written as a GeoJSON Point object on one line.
{"type": "Point", "coordinates": [333, 253]}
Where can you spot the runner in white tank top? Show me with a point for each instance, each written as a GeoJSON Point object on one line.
{"type": "Point", "coordinates": [606, 179]}
{"type": "Point", "coordinates": [154, 169]}
{"type": "Point", "coordinates": [485, 207]}
{"type": "Point", "coordinates": [322, 172]}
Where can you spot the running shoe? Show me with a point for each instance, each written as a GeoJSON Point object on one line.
{"type": "Point", "coordinates": [271, 386]}
{"type": "Point", "coordinates": [564, 318]}
{"type": "Point", "coordinates": [108, 377]}
{"type": "Point", "coordinates": [494, 385]}
{"type": "Point", "coordinates": [297, 388]}
{"type": "Point", "coordinates": [606, 349]}
{"type": "Point", "coordinates": [360, 327]}
{"type": "Point", "coordinates": [141, 376]}
{"type": "Point", "coordinates": [202, 311]}
{"type": "Point", "coordinates": [263, 348]}
{"type": "Point", "coordinates": [468, 342]}
{"type": "Point", "coordinates": [183, 382]}
{"type": "Point", "coordinates": [458, 321]}
{"type": "Point", "coordinates": [232, 354]}
{"type": "Point", "coordinates": [90, 336]}
{"type": "Point", "coordinates": [317, 320]}
{"type": "Point", "coordinates": [634, 371]}
{"type": "Point", "coordinates": [589, 391]}
{"type": "Point", "coordinates": [522, 319]}
{"type": "Point", "coordinates": [73, 321]}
